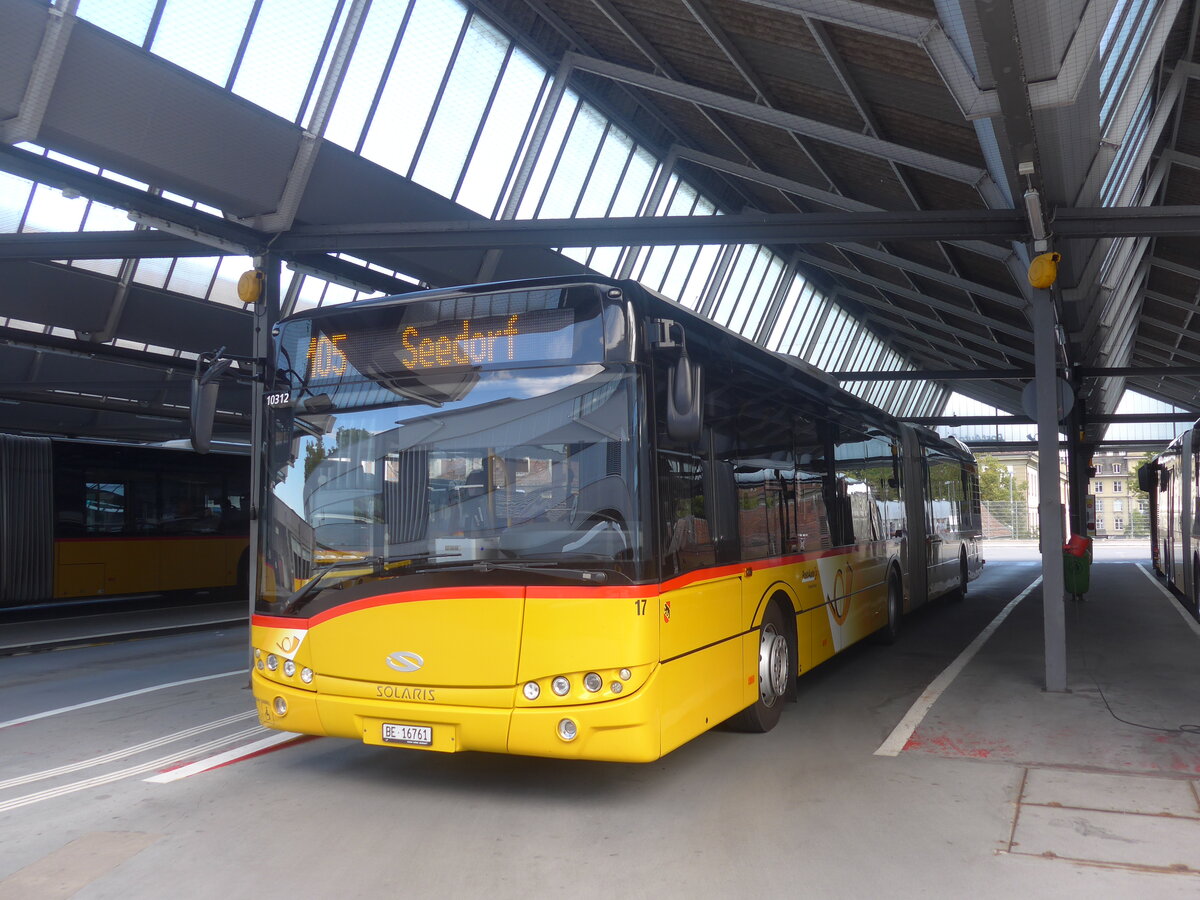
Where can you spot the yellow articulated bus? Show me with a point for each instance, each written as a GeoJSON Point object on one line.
{"type": "Point", "coordinates": [571, 518]}
{"type": "Point", "coordinates": [84, 522]}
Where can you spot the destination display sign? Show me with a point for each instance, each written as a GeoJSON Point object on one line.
{"type": "Point", "coordinates": [417, 347]}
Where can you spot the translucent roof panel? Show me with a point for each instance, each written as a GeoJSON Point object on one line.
{"type": "Point", "coordinates": [1134, 403]}
{"type": "Point", "coordinates": [200, 38]}
{"type": "Point", "coordinates": [282, 53]}
{"type": "Point", "coordinates": [436, 92]}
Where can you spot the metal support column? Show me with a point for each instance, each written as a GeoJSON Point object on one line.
{"type": "Point", "coordinates": [1049, 503]}
{"type": "Point", "coordinates": [266, 314]}
{"type": "Point", "coordinates": [1079, 454]}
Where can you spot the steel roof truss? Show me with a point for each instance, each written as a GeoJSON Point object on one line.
{"type": "Point", "coordinates": [901, 291]}
{"type": "Point", "coordinates": [842, 137]}
{"type": "Point", "coordinates": [957, 348]}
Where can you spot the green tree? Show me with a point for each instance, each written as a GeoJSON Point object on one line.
{"type": "Point", "coordinates": [997, 483]}
{"type": "Point", "coordinates": [315, 453]}
{"type": "Point", "coordinates": [1131, 482]}
{"type": "Point", "coordinates": [1139, 519]}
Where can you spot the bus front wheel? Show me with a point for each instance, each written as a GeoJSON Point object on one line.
{"type": "Point", "coordinates": [776, 671]}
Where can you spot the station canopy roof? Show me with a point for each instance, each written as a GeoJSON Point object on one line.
{"type": "Point", "coordinates": [859, 183]}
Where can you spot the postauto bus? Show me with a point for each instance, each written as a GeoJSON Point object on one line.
{"type": "Point", "coordinates": [571, 518]}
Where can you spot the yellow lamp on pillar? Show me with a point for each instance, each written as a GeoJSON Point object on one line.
{"type": "Point", "coordinates": [1043, 271]}
{"type": "Point", "coordinates": [250, 286]}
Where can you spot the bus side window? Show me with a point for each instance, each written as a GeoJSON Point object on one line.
{"type": "Point", "coordinates": [863, 513]}
{"type": "Point", "coordinates": [104, 507]}
{"type": "Point", "coordinates": [687, 540]}
{"type": "Point", "coordinates": [754, 513]}
{"type": "Point", "coordinates": [945, 491]}
{"type": "Point", "coordinates": [69, 502]}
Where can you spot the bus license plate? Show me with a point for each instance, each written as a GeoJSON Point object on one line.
{"type": "Point", "coordinates": [413, 735]}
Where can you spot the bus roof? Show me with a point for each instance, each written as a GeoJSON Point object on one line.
{"type": "Point", "coordinates": [788, 371]}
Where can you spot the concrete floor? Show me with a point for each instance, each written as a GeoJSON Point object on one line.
{"type": "Point", "coordinates": [1001, 790]}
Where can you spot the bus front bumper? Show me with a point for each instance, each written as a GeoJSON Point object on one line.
{"type": "Point", "coordinates": [623, 730]}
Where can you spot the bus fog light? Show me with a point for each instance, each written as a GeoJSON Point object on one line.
{"type": "Point", "coordinates": [625, 674]}
{"type": "Point", "coordinates": [272, 661]}
{"type": "Point", "coordinates": [616, 687]}
{"type": "Point", "coordinates": [280, 706]}
{"type": "Point", "coordinates": [306, 675]}
{"type": "Point", "coordinates": [561, 686]}
{"type": "Point", "coordinates": [289, 668]}
{"type": "Point", "coordinates": [593, 682]}
{"type": "Point", "coordinates": [531, 690]}
{"type": "Point", "coordinates": [567, 729]}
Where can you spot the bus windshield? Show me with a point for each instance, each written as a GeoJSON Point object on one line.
{"type": "Point", "coordinates": [532, 465]}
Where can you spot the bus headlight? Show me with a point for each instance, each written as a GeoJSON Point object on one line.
{"type": "Point", "coordinates": [561, 686]}
{"type": "Point", "coordinates": [531, 690]}
{"type": "Point", "coordinates": [567, 729]}
{"type": "Point", "coordinates": [289, 668]}
{"type": "Point", "coordinates": [272, 661]}
{"type": "Point", "coordinates": [306, 675]}
{"type": "Point", "coordinates": [593, 682]}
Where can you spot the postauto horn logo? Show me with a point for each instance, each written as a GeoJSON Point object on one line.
{"type": "Point", "coordinates": [403, 661]}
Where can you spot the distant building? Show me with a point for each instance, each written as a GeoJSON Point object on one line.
{"type": "Point", "coordinates": [1118, 513]}
{"type": "Point", "coordinates": [1019, 514]}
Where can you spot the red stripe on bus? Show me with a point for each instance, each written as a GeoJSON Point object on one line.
{"type": "Point", "coordinates": [635, 592]}
{"type": "Point", "coordinates": [757, 565]}
{"type": "Point", "coordinates": [623, 592]}
{"type": "Point", "coordinates": [467, 593]}
{"type": "Point", "coordinates": [123, 539]}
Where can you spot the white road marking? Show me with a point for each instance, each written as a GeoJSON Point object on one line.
{"type": "Point", "coordinates": [902, 732]}
{"type": "Point", "coordinates": [146, 690]}
{"type": "Point", "coordinates": [160, 763]}
{"type": "Point", "coordinates": [127, 751]}
{"type": "Point", "coordinates": [1179, 608]}
{"type": "Point", "coordinates": [204, 765]}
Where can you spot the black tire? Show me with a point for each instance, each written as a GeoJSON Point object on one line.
{"type": "Point", "coordinates": [776, 673]}
{"type": "Point", "coordinates": [960, 593]}
{"type": "Point", "coordinates": [895, 611]}
{"type": "Point", "coordinates": [1196, 585]}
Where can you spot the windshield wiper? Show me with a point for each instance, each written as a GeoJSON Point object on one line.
{"type": "Point", "coordinates": [553, 569]}
{"type": "Point", "coordinates": [378, 566]}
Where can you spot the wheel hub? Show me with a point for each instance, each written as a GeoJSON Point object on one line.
{"type": "Point", "coordinates": [772, 666]}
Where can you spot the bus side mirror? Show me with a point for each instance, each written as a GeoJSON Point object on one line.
{"type": "Point", "coordinates": [1146, 477]}
{"type": "Point", "coordinates": [205, 387]}
{"type": "Point", "coordinates": [685, 409]}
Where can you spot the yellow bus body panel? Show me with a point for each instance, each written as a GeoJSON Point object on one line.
{"type": "Point", "coordinates": [691, 648]}
{"type": "Point", "coordinates": [564, 635]}
{"type": "Point", "coordinates": [462, 641]}
{"type": "Point", "coordinates": [97, 567]}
